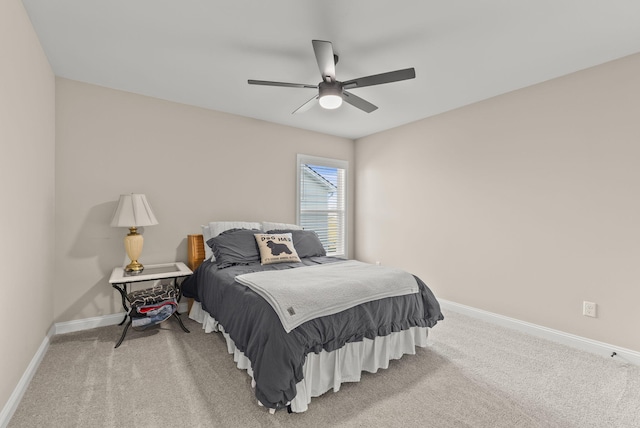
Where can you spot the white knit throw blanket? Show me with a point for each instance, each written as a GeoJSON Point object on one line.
{"type": "Point", "coordinates": [301, 294]}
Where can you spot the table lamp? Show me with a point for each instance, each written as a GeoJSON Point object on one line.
{"type": "Point", "coordinates": [133, 211]}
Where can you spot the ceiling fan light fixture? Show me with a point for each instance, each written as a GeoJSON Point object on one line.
{"type": "Point", "coordinates": [330, 102]}
{"type": "Point", "coordinates": [330, 95]}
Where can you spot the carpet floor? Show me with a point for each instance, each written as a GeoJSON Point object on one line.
{"type": "Point", "coordinates": [473, 374]}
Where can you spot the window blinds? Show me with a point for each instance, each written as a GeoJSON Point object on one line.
{"type": "Point", "coordinates": [322, 204]}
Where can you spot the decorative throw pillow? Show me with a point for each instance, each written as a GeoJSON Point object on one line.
{"type": "Point", "coordinates": [235, 247]}
{"type": "Point", "coordinates": [276, 248]}
{"type": "Point", "coordinates": [306, 242]}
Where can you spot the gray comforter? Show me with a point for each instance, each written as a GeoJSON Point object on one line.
{"type": "Point", "coordinates": [277, 357]}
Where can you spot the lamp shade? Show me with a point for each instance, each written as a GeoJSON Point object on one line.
{"type": "Point", "coordinates": [133, 211]}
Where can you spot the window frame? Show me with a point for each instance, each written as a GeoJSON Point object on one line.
{"type": "Point", "coordinates": [303, 159]}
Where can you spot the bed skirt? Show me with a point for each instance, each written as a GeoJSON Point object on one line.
{"type": "Point", "coordinates": [328, 370]}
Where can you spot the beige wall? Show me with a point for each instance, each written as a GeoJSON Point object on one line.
{"type": "Point", "coordinates": [194, 165]}
{"type": "Point", "coordinates": [524, 205]}
{"type": "Point", "coordinates": [27, 133]}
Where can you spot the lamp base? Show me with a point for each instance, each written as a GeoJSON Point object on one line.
{"type": "Point", "coordinates": [133, 243]}
{"type": "Point", "coordinates": [134, 267]}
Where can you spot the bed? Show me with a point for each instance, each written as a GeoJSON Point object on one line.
{"type": "Point", "coordinates": [330, 340]}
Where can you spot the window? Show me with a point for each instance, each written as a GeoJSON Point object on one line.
{"type": "Point", "coordinates": [321, 201]}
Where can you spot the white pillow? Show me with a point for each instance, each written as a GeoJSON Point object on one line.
{"type": "Point", "coordinates": [215, 228]}
{"type": "Point", "coordinates": [267, 225]}
{"type": "Point", "coordinates": [206, 235]}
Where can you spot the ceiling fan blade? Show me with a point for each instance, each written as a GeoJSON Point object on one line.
{"type": "Point", "coordinates": [286, 85]}
{"type": "Point", "coordinates": [358, 102]}
{"type": "Point", "coordinates": [306, 106]}
{"type": "Point", "coordinates": [325, 59]}
{"type": "Point", "coordinates": [378, 79]}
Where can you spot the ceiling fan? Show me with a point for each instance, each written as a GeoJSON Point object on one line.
{"type": "Point", "coordinates": [332, 92]}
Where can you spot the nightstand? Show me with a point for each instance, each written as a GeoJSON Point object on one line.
{"type": "Point", "coordinates": [121, 280]}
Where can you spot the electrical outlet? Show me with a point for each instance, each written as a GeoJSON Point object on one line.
{"type": "Point", "coordinates": [589, 309]}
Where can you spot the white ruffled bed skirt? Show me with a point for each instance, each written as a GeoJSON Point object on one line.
{"type": "Point", "coordinates": [328, 370]}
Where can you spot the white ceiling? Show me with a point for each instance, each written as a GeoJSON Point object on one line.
{"type": "Point", "coordinates": [201, 52]}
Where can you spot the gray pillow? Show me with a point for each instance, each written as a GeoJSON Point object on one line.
{"type": "Point", "coordinates": [306, 242]}
{"type": "Point", "coordinates": [235, 247]}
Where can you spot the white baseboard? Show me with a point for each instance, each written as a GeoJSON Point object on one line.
{"type": "Point", "coordinates": [14, 400]}
{"type": "Point", "coordinates": [593, 346]}
{"type": "Point", "coordinates": [88, 323]}
{"type": "Point", "coordinates": [101, 321]}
